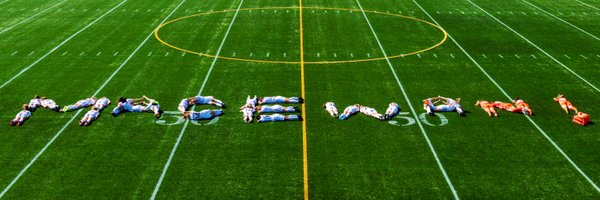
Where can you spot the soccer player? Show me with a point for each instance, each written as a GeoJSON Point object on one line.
{"type": "Point", "coordinates": [371, 112]}
{"type": "Point", "coordinates": [581, 118]}
{"type": "Point", "coordinates": [35, 103]}
{"type": "Point", "coordinates": [50, 104]}
{"type": "Point", "coordinates": [22, 116]}
{"type": "Point", "coordinates": [565, 104]}
{"type": "Point", "coordinates": [349, 111]}
{"type": "Point", "coordinates": [277, 109]}
{"type": "Point", "coordinates": [251, 102]}
{"type": "Point", "coordinates": [184, 105]}
{"type": "Point", "coordinates": [280, 99]}
{"type": "Point", "coordinates": [248, 111]}
{"type": "Point", "coordinates": [102, 103]}
{"type": "Point", "coordinates": [278, 118]}
{"type": "Point", "coordinates": [149, 105]}
{"type": "Point", "coordinates": [89, 117]}
{"type": "Point", "coordinates": [80, 104]}
{"type": "Point", "coordinates": [449, 105]}
{"type": "Point", "coordinates": [487, 107]}
{"type": "Point", "coordinates": [392, 110]}
{"type": "Point", "coordinates": [525, 109]}
{"type": "Point", "coordinates": [331, 109]}
{"type": "Point", "coordinates": [203, 114]}
{"type": "Point", "coordinates": [204, 100]}
{"type": "Point", "coordinates": [506, 106]}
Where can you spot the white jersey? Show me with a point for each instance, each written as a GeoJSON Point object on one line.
{"type": "Point", "coordinates": [251, 101]}
{"type": "Point", "coordinates": [136, 108]}
{"type": "Point", "coordinates": [203, 114]}
{"type": "Point", "coordinates": [34, 103]}
{"type": "Point", "coordinates": [203, 99]}
{"type": "Point", "coordinates": [276, 109]}
{"type": "Point", "coordinates": [368, 111]}
{"type": "Point", "coordinates": [183, 105]}
{"type": "Point", "coordinates": [92, 114]}
{"type": "Point", "coordinates": [102, 103]}
{"type": "Point", "coordinates": [86, 102]}
{"type": "Point", "coordinates": [272, 118]}
{"type": "Point", "coordinates": [248, 111]}
{"type": "Point", "coordinates": [23, 114]}
{"type": "Point", "coordinates": [351, 110]}
{"type": "Point", "coordinates": [48, 103]}
{"type": "Point", "coordinates": [393, 109]}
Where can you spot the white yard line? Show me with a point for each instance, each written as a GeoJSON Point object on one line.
{"type": "Point", "coordinates": [31, 17]}
{"type": "Point", "coordinates": [562, 20]}
{"type": "Point", "coordinates": [78, 112]}
{"type": "Point", "coordinates": [1, 2]}
{"type": "Point", "coordinates": [439, 163]}
{"type": "Point", "coordinates": [60, 45]}
{"type": "Point", "coordinates": [511, 99]}
{"type": "Point", "coordinates": [537, 47]}
{"type": "Point", "coordinates": [168, 163]}
{"type": "Point", "coordinates": [588, 5]}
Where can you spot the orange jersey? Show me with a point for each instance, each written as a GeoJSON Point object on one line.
{"type": "Point", "coordinates": [504, 106]}
{"type": "Point", "coordinates": [563, 101]}
{"type": "Point", "coordinates": [581, 118]}
{"type": "Point", "coordinates": [485, 104]}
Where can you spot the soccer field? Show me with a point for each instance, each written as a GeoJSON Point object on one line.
{"type": "Point", "coordinates": [368, 52]}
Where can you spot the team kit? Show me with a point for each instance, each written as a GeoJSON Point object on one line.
{"type": "Point", "coordinates": [268, 109]}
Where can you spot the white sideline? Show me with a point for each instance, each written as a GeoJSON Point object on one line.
{"type": "Point", "coordinates": [61, 44]}
{"type": "Point", "coordinates": [437, 159]}
{"type": "Point", "coordinates": [537, 47]}
{"type": "Point", "coordinates": [39, 13]}
{"type": "Point", "coordinates": [594, 7]}
{"type": "Point", "coordinates": [591, 35]}
{"type": "Point", "coordinates": [511, 99]}
{"type": "Point", "coordinates": [168, 163]}
{"type": "Point", "coordinates": [78, 112]}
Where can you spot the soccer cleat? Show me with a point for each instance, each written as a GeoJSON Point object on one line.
{"type": "Point", "coordinates": [299, 118]}
{"type": "Point", "coordinates": [12, 123]}
{"type": "Point", "coordinates": [296, 109]}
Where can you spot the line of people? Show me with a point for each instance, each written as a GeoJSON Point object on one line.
{"type": "Point", "coordinates": [258, 105]}
{"type": "Point", "coordinates": [185, 104]}
{"type": "Point", "coordinates": [392, 110]}
{"type": "Point", "coordinates": [43, 102]}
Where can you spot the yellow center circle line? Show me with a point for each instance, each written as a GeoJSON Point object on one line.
{"type": "Point", "coordinates": [157, 36]}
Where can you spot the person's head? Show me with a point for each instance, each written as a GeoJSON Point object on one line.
{"type": "Point", "coordinates": [159, 114]}
{"type": "Point", "coordinates": [43, 98]}
{"type": "Point", "coordinates": [193, 100]}
{"type": "Point", "coordinates": [122, 99]}
{"type": "Point", "coordinates": [25, 107]}
{"type": "Point", "coordinates": [560, 96]}
{"type": "Point", "coordinates": [95, 99]}
{"type": "Point", "coordinates": [457, 100]}
{"type": "Point", "coordinates": [36, 97]}
{"type": "Point", "coordinates": [94, 108]}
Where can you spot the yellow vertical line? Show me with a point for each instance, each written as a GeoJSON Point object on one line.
{"type": "Point", "coordinates": [304, 140]}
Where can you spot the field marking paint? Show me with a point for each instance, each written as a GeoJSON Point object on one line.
{"type": "Point", "coordinates": [37, 156]}
{"type": "Point", "coordinates": [304, 130]}
{"type": "Point", "coordinates": [98, 54]}
{"type": "Point", "coordinates": [116, 53]}
{"type": "Point", "coordinates": [534, 57]}
{"type": "Point", "coordinates": [81, 54]}
{"type": "Point", "coordinates": [31, 17]}
{"type": "Point", "coordinates": [518, 57]}
{"type": "Point", "coordinates": [435, 55]}
{"type": "Point", "coordinates": [484, 56]}
{"type": "Point", "coordinates": [588, 5]}
{"type": "Point", "coordinates": [584, 57]}
{"type": "Point", "coordinates": [452, 55]}
{"type": "Point", "coordinates": [500, 55]}
{"type": "Point", "coordinates": [1, 2]}
{"type": "Point", "coordinates": [511, 99]}
{"type": "Point", "coordinates": [419, 55]}
{"type": "Point", "coordinates": [537, 47]}
{"type": "Point", "coordinates": [168, 163]}
{"type": "Point", "coordinates": [31, 53]}
{"type": "Point", "coordinates": [60, 45]}
{"type": "Point", "coordinates": [65, 53]}
{"type": "Point", "coordinates": [562, 20]}
{"type": "Point", "coordinates": [410, 104]}
{"type": "Point", "coordinates": [14, 53]}
{"type": "Point", "coordinates": [566, 56]}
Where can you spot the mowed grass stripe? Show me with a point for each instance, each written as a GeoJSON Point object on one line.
{"type": "Point", "coordinates": [440, 165]}
{"type": "Point", "coordinates": [588, 5]}
{"type": "Point", "coordinates": [168, 163]}
{"type": "Point", "coordinates": [31, 17]}
{"type": "Point", "coordinates": [61, 44]}
{"type": "Point", "coordinates": [560, 19]}
{"type": "Point", "coordinates": [579, 170]}
{"type": "Point", "coordinates": [537, 47]}
{"type": "Point", "coordinates": [78, 112]}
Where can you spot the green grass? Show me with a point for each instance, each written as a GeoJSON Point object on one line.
{"type": "Point", "coordinates": [361, 158]}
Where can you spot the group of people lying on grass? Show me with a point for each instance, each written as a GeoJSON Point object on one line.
{"type": "Point", "coordinates": [185, 104]}
{"type": "Point", "coordinates": [260, 106]}
{"type": "Point", "coordinates": [392, 110]}
{"type": "Point", "coordinates": [43, 102]}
